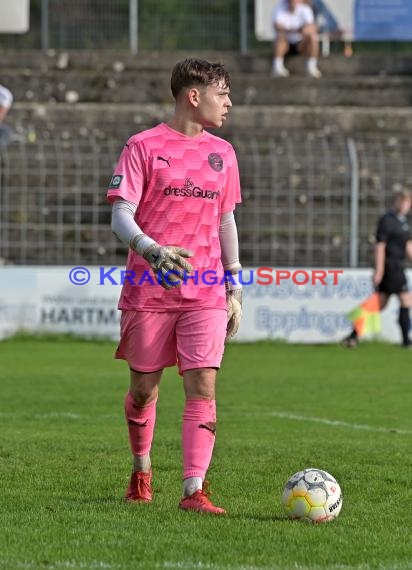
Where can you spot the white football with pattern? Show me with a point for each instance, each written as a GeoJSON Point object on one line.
{"type": "Point", "coordinates": [312, 495]}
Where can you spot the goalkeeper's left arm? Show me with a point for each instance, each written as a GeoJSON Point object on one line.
{"type": "Point", "coordinates": [229, 246]}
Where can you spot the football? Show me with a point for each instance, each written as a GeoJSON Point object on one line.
{"type": "Point", "coordinates": [312, 495]}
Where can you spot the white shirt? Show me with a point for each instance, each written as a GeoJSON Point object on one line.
{"type": "Point", "coordinates": [293, 21]}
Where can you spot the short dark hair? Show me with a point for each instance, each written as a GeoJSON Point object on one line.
{"type": "Point", "coordinates": [402, 196]}
{"type": "Point", "coordinates": [197, 72]}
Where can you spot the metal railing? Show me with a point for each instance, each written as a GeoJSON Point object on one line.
{"type": "Point", "coordinates": [136, 25]}
{"type": "Point", "coordinates": [309, 198]}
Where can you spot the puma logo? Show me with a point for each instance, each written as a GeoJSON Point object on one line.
{"type": "Point", "coordinates": [210, 426]}
{"type": "Point", "coordinates": [164, 159]}
{"type": "Point", "coordinates": [138, 424]}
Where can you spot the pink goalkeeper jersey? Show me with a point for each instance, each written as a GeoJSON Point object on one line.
{"type": "Point", "coordinates": [182, 185]}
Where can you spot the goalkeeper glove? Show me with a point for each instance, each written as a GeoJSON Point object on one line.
{"type": "Point", "coordinates": [167, 262]}
{"type": "Point", "coordinates": [234, 304]}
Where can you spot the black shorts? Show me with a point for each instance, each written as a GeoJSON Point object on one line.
{"type": "Point", "coordinates": [294, 49]}
{"type": "Point", "coordinates": [394, 280]}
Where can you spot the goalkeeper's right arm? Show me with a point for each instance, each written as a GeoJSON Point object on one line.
{"type": "Point", "coordinates": [167, 262]}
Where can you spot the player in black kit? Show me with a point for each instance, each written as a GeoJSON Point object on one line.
{"type": "Point", "coordinates": [393, 245]}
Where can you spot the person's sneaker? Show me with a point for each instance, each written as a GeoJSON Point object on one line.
{"type": "Point", "coordinates": [280, 72]}
{"type": "Point", "coordinates": [199, 501]}
{"type": "Point", "coordinates": [315, 72]}
{"type": "Point", "coordinates": [350, 342]}
{"type": "Point", "coordinates": [140, 487]}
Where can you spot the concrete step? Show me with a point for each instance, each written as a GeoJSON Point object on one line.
{"type": "Point", "coordinates": [118, 122]}
{"type": "Point", "coordinates": [258, 89]}
{"type": "Point", "coordinates": [100, 60]}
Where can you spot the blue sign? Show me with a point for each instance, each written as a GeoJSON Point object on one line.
{"type": "Point", "coordinates": [383, 20]}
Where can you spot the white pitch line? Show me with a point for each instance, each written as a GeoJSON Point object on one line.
{"type": "Point", "coordinates": [60, 415]}
{"type": "Point", "coordinates": [282, 415]}
{"type": "Point", "coordinates": [176, 565]}
{"type": "Point", "coordinates": [58, 564]}
{"type": "Point", "coordinates": [295, 566]}
{"type": "Point", "coordinates": [212, 566]}
{"type": "Point", "coordinates": [48, 416]}
{"type": "Point", "coordinates": [339, 423]}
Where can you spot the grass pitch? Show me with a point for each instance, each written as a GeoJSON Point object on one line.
{"type": "Point", "coordinates": [65, 463]}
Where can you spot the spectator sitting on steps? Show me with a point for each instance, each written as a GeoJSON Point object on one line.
{"type": "Point", "coordinates": [296, 33]}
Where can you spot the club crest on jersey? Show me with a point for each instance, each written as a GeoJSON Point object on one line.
{"type": "Point", "coordinates": [215, 161]}
{"type": "Point", "coordinates": [116, 181]}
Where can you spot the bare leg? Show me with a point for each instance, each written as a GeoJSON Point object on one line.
{"type": "Point", "coordinates": [281, 48]}
{"type": "Point", "coordinates": [309, 47]}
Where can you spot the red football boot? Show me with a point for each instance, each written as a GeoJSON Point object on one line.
{"type": "Point", "coordinates": [200, 502]}
{"type": "Point", "coordinates": [140, 487]}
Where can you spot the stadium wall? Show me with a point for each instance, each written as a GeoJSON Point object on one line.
{"type": "Point", "coordinates": [44, 299]}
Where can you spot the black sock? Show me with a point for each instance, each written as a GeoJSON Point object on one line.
{"type": "Point", "coordinates": [404, 323]}
{"type": "Point", "coordinates": [354, 334]}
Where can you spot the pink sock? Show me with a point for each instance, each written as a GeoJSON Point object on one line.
{"type": "Point", "coordinates": [199, 426]}
{"type": "Point", "coordinates": [141, 423]}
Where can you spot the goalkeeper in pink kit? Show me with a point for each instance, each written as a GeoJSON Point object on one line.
{"type": "Point", "coordinates": [174, 191]}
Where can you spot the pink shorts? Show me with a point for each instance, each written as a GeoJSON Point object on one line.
{"type": "Point", "coordinates": [192, 339]}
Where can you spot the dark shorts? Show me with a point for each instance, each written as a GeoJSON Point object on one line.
{"type": "Point", "coordinates": [294, 49]}
{"type": "Point", "coordinates": [394, 280]}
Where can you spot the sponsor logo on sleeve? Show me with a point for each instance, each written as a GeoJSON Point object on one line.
{"type": "Point", "coordinates": [116, 181]}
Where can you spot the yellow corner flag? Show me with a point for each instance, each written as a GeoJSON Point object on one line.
{"type": "Point", "coordinates": [366, 318]}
